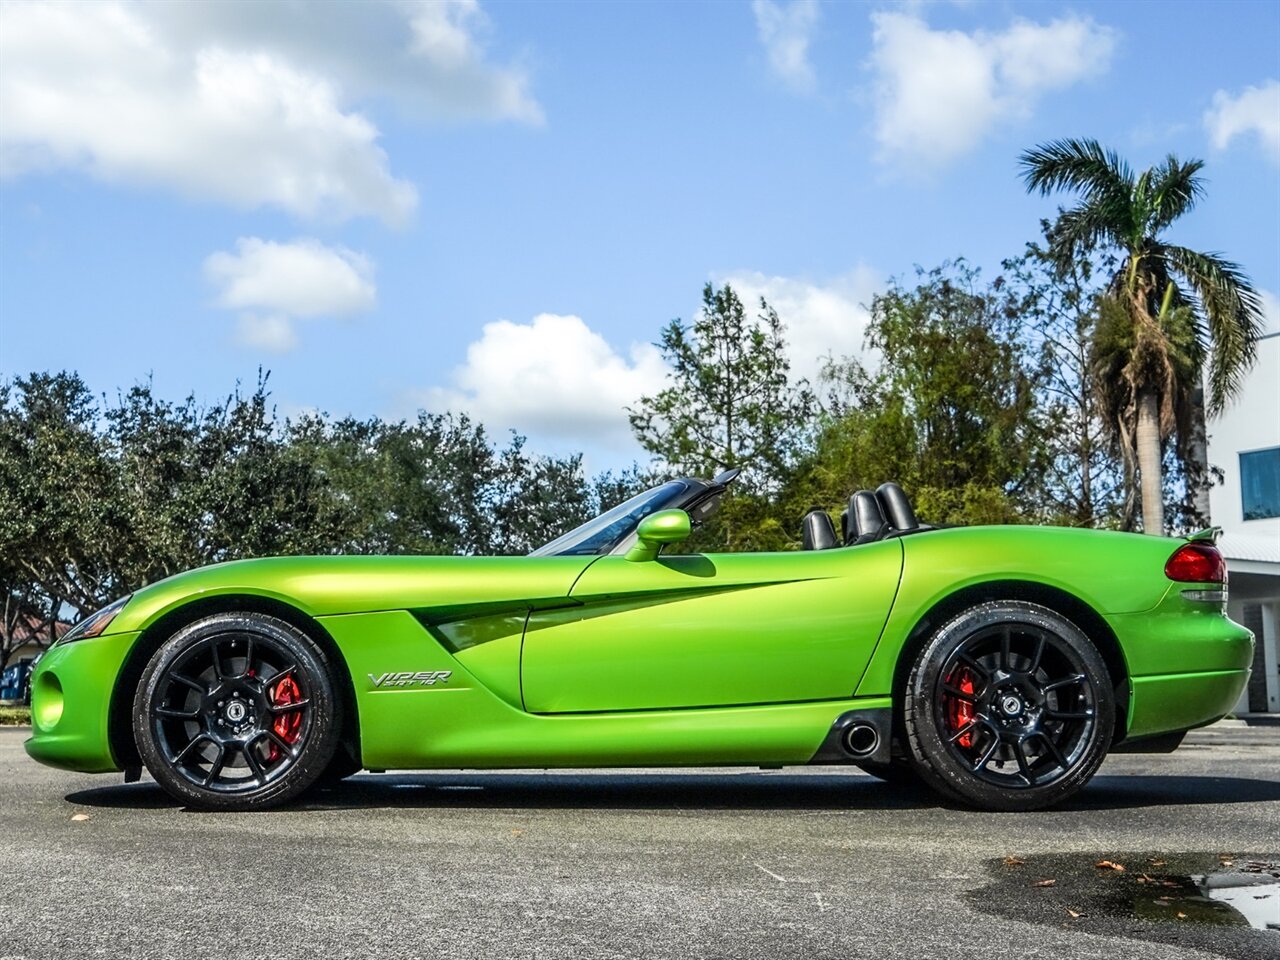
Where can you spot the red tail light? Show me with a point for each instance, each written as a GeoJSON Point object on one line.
{"type": "Point", "coordinates": [1196, 563]}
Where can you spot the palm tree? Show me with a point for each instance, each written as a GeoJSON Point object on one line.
{"type": "Point", "coordinates": [1166, 310]}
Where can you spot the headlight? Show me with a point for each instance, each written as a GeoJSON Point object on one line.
{"type": "Point", "coordinates": [95, 624]}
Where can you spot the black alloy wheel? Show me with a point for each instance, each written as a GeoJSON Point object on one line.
{"type": "Point", "coordinates": [1009, 707]}
{"type": "Point", "coordinates": [236, 711]}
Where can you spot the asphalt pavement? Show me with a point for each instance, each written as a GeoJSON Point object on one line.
{"type": "Point", "coordinates": [818, 862]}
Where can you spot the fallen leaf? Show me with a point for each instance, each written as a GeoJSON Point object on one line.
{"type": "Point", "coordinates": [76, 818]}
{"type": "Point", "coordinates": [1110, 865]}
{"type": "Point", "coordinates": [1181, 915]}
{"type": "Point", "coordinates": [1146, 878]}
{"type": "Point", "coordinates": [1074, 914]}
{"type": "Point", "coordinates": [1157, 862]}
{"type": "Point", "coordinates": [1014, 862]}
{"type": "Point", "coordinates": [1044, 883]}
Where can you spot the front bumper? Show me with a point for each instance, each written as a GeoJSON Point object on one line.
{"type": "Point", "coordinates": [71, 703]}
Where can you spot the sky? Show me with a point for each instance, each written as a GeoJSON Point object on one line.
{"type": "Point", "coordinates": [494, 207]}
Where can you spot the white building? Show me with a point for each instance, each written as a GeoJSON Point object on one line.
{"type": "Point", "coordinates": [1245, 443]}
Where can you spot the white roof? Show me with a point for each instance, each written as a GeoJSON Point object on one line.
{"type": "Point", "coordinates": [1264, 547]}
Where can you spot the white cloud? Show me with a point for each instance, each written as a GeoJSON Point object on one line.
{"type": "Point", "coordinates": [428, 56]}
{"type": "Point", "coordinates": [245, 103]}
{"type": "Point", "coordinates": [821, 320]}
{"type": "Point", "coordinates": [561, 382]}
{"type": "Point", "coordinates": [273, 333]}
{"type": "Point", "coordinates": [273, 284]}
{"type": "Point", "coordinates": [785, 33]}
{"type": "Point", "coordinates": [939, 92]}
{"type": "Point", "coordinates": [554, 378]}
{"type": "Point", "coordinates": [1256, 110]}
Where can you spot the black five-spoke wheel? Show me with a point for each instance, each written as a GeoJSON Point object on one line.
{"type": "Point", "coordinates": [236, 711]}
{"type": "Point", "coordinates": [1009, 707]}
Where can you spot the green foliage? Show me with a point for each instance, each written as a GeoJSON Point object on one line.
{"type": "Point", "coordinates": [15, 716]}
{"type": "Point", "coordinates": [729, 401]}
{"type": "Point", "coordinates": [948, 407]}
{"type": "Point", "coordinates": [99, 498]}
{"type": "Point", "coordinates": [1058, 302]}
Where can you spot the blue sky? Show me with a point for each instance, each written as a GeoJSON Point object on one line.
{"type": "Point", "coordinates": [495, 207]}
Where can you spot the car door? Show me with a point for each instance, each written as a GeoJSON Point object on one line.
{"type": "Point", "coordinates": [711, 630]}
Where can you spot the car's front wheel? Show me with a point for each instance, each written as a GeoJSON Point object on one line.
{"type": "Point", "coordinates": [1009, 706]}
{"type": "Point", "coordinates": [237, 711]}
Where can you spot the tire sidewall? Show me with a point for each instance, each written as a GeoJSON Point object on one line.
{"type": "Point", "coordinates": [929, 752]}
{"type": "Point", "coordinates": [322, 737]}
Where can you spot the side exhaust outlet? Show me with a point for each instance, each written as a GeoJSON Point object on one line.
{"type": "Point", "coordinates": [858, 736]}
{"type": "Point", "coordinates": [861, 740]}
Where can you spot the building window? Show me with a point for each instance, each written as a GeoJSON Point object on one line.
{"type": "Point", "coordinates": [1260, 483]}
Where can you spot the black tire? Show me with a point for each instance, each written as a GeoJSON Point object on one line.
{"type": "Point", "coordinates": [1009, 707]}
{"type": "Point", "coordinates": [237, 712]}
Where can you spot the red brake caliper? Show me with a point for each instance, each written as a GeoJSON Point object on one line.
{"type": "Point", "coordinates": [960, 711]}
{"type": "Point", "coordinates": [287, 726]}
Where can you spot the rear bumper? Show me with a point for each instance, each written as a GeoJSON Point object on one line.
{"type": "Point", "coordinates": [1181, 701]}
{"type": "Point", "coordinates": [71, 703]}
{"type": "Point", "coordinates": [1188, 663]}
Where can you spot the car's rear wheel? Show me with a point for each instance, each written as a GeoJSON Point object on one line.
{"type": "Point", "coordinates": [236, 712]}
{"type": "Point", "coordinates": [1009, 706]}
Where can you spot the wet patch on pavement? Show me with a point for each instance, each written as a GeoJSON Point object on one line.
{"type": "Point", "coordinates": [1222, 903]}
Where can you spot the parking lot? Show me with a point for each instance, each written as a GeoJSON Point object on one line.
{"type": "Point", "coordinates": [813, 862]}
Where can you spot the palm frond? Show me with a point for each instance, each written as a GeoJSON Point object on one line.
{"type": "Point", "coordinates": [1081, 165]}
{"type": "Point", "coordinates": [1107, 211]}
{"type": "Point", "coordinates": [1232, 311]}
{"type": "Point", "coordinates": [1177, 189]}
{"type": "Point", "coordinates": [1082, 227]}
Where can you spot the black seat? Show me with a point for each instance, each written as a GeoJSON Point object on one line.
{"type": "Point", "coordinates": [866, 522]}
{"type": "Point", "coordinates": [897, 508]}
{"type": "Point", "coordinates": [817, 532]}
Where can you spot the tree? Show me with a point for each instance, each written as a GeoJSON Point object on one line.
{"type": "Point", "coordinates": [98, 498]}
{"type": "Point", "coordinates": [1058, 303]}
{"type": "Point", "coordinates": [948, 408]}
{"type": "Point", "coordinates": [1168, 307]}
{"type": "Point", "coordinates": [59, 510]}
{"type": "Point", "coordinates": [729, 402]}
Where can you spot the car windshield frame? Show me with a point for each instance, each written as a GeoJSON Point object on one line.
{"type": "Point", "coordinates": [602, 534]}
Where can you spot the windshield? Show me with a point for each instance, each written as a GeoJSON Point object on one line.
{"type": "Point", "coordinates": [603, 533]}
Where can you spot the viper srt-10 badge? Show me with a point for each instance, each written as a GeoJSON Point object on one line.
{"type": "Point", "coordinates": [423, 678]}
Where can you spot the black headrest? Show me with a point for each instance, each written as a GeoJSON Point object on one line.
{"type": "Point", "coordinates": [817, 532]}
{"type": "Point", "coordinates": [897, 508]}
{"type": "Point", "coordinates": [866, 518]}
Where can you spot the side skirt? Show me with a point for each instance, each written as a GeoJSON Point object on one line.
{"type": "Point", "coordinates": [421, 708]}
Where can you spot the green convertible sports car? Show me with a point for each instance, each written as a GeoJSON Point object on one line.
{"type": "Point", "coordinates": [998, 665]}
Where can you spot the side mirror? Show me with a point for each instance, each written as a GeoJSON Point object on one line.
{"type": "Point", "coordinates": [665, 526]}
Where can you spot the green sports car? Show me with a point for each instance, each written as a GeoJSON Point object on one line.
{"type": "Point", "coordinates": [998, 665]}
